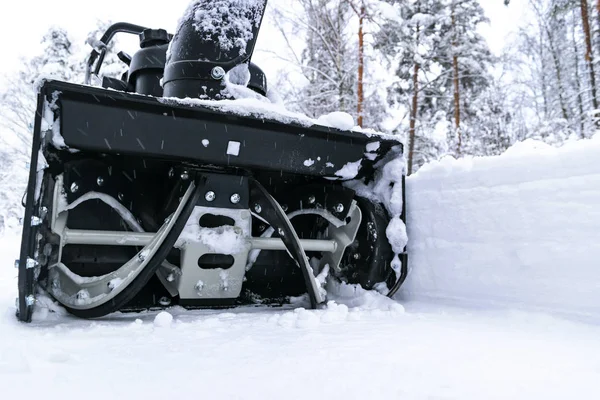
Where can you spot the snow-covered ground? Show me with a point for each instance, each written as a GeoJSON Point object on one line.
{"type": "Point", "coordinates": [502, 303]}
{"type": "Point", "coordinates": [428, 351]}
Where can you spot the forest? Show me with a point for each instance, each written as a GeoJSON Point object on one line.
{"type": "Point", "coordinates": [419, 69]}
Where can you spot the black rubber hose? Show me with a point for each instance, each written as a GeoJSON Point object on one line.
{"type": "Point", "coordinates": [120, 300]}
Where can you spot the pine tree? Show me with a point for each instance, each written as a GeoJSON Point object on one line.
{"type": "Point", "coordinates": [465, 58]}
{"type": "Point", "coordinates": [409, 41]}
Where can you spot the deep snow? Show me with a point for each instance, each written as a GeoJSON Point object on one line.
{"type": "Point", "coordinates": [522, 229]}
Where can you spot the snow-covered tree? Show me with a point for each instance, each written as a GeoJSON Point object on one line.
{"type": "Point", "coordinates": [60, 59]}
{"type": "Point", "coordinates": [408, 38]}
{"type": "Point", "coordinates": [464, 52]}
{"type": "Point", "coordinates": [328, 59]}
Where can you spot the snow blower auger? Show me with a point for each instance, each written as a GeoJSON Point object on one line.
{"type": "Point", "coordinates": [162, 189]}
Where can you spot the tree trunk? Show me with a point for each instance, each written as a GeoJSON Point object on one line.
{"type": "Point", "coordinates": [543, 75]}
{"type": "Point", "coordinates": [361, 64]}
{"type": "Point", "coordinates": [456, 79]}
{"type": "Point", "coordinates": [598, 21]}
{"type": "Point", "coordinates": [578, 81]}
{"type": "Point", "coordinates": [559, 79]}
{"type": "Point", "coordinates": [589, 55]}
{"type": "Point", "coordinates": [413, 117]}
{"type": "Point", "coordinates": [414, 109]}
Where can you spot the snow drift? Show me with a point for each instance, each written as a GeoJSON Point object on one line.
{"type": "Point", "coordinates": [521, 229]}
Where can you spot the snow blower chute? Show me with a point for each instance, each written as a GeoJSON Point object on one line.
{"type": "Point", "coordinates": [164, 188]}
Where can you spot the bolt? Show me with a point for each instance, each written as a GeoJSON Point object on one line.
{"type": "Point", "coordinates": [356, 256]}
{"type": "Point", "coordinates": [262, 228]}
{"type": "Point", "coordinates": [281, 232]}
{"type": "Point", "coordinates": [312, 199]}
{"type": "Point", "coordinates": [43, 212]}
{"type": "Point", "coordinates": [74, 187]}
{"type": "Point", "coordinates": [35, 221]}
{"type": "Point", "coordinates": [284, 207]}
{"type": "Point", "coordinates": [141, 257]}
{"type": "Point", "coordinates": [217, 73]}
{"type": "Point", "coordinates": [257, 208]}
{"type": "Point", "coordinates": [199, 286]}
{"type": "Point", "coordinates": [185, 176]}
{"type": "Point", "coordinates": [339, 208]}
{"type": "Point", "coordinates": [17, 263]}
{"type": "Point", "coordinates": [210, 196]}
{"type": "Point", "coordinates": [121, 196]}
{"type": "Point", "coordinates": [30, 300]}
{"type": "Point", "coordinates": [235, 198]}
{"type": "Point", "coordinates": [164, 301]}
{"type": "Point", "coordinates": [100, 181]}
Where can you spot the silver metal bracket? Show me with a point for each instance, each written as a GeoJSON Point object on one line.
{"type": "Point", "coordinates": [196, 242]}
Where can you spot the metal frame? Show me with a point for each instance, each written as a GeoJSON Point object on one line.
{"type": "Point", "coordinates": [26, 262]}
{"type": "Point", "coordinates": [136, 239]}
{"type": "Point", "coordinates": [188, 281]}
{"type": "Point", "coordinates": [87, 293]}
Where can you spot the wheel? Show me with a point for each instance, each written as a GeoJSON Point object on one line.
{"type": "Point", "coordinates": [367, 261]}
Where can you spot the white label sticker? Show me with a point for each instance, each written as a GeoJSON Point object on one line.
{"type": "Point", "coordinates": [233, 148]}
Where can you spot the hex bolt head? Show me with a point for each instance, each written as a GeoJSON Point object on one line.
{"type": "Point", "coordinates": [35, 221]}
{"type": "Point", "coordinates": [312, 199]}
{"type": "Point", "coordinates": [100, 181]}
{"type": "Point", "coordinates": [210, 196]}
{"type": "Point", "coordinates": [74, 187]}
{"type": "Point", "coordinates": [199, 286]}
{"type": "Point", "coordinates": [235, 198]}
{"type": "Point", "coordinates": [281, 232]}
{"type": "Point", "coordinates": [356, 256]}
{"type": "Point", "coordinates": [257, 208]}
{"type": "Point", "coordinates": [30, 300]}
{"type": "Point", "coordinates": [185, 176]}
{"type": "Point", "coordinates": [339, 208]}
{"type": "Point", "coordinates": [217, 73]}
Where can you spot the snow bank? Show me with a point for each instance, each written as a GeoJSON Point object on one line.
{"type": "Point", "coordinates": [522, 228]}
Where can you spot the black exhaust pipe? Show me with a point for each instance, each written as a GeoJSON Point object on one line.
{"type": "Point", "coordinates": [213, 37]}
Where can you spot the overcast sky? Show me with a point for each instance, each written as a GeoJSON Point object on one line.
{"type": "Point", "coordinates": [24, 22]}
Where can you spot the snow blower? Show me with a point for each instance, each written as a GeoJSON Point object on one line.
{"type": "Point", "coordinates": [181, 183]}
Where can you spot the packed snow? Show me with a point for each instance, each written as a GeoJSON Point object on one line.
{"type": "Point", "coordinates": [409, 351]}
{"type": "Point", "coordinates": [221, 240]}
{"type": "Point", "coordinates": [522, 228]}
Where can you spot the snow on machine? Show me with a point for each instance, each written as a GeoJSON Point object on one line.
{"type": "Point", "coordinates": [182, 184]}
